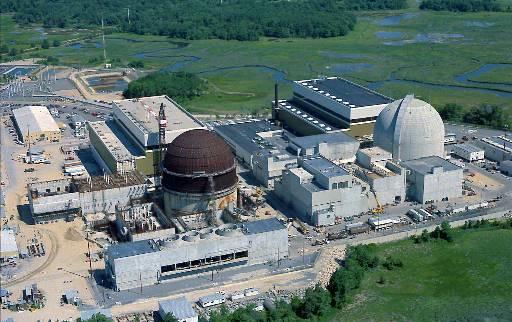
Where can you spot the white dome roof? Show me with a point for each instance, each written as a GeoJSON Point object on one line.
{"type": "Point", "coordinates": [410, 128]}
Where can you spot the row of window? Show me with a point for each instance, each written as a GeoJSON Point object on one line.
{"type": "Point", "coordinates": [205, 261]}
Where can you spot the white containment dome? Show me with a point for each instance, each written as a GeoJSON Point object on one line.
{"type": "Point", "coordinates": [410, 128]}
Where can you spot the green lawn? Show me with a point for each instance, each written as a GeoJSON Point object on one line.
{"type": "Point", "coordinates": [438, 47]}
{"type": "Point", "coordinates": [467, 280]}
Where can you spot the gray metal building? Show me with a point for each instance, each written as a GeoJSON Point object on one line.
{"type": "Point", "coordinates": [506, 167]}
{"type": "Point", "coordinates": [497, 148]}
{"type": "Point", "coordinates": [147, 262]}
{"type": "Point", "coordinates": [179, 308]}
{"type": "Point", "coordinates": [468, 152]}
{"type": "Point", "coordinates": [433, 179]}
{"type": "Point", "coordinates": [319, 191]}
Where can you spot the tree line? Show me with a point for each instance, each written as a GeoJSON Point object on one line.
{"type": "Point", "coordinates": [180, 86]}
{"type": "Point", "coordinates": [202, 19]}
{"type": "Point", "coordinates": [318, 302]}
{"type": "Point", "coordinates": [461, 5]}
{"type": "Point", "coordinates": [486, 115]}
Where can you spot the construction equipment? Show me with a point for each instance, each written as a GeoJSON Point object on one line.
{"type": "Point", "coordinates": [301, 227]}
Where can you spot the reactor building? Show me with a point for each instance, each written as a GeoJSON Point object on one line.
{"type": "Point", "coordinates": [199, 174]}
{"type": "Point", "coordinates": [410, 129]}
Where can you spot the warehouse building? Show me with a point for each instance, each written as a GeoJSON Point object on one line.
{"type": "Point", "coordinates": [67, 198]}
{"type": "Point", "coordinates": [468, 152]}
{"type": "Point", "coordinates": [497, 148]}
{"type": "Point", "coordinates": [147, 262]}
{"type": "Point", "coordinates": [179, 308]}
{"type": "Point", "coordinates": [138, 119]}
{"type": "Point", "coordinates": [335, 146]}
{"type": "Point", "coordinates": [78, 123]}
{"type": "Point", "coordinates": [35, 123]}
{"type": "Point", "coordinates": [410, 129]}
{"type": "Point", "coordinates": [433, 179]}
{"type": "Point", "coordinates": [331, 104]}
{"type": "Point", "coordinates": [320, 191]}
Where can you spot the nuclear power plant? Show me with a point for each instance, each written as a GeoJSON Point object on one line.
{"type": "Point", "coordinates": [172, 198]}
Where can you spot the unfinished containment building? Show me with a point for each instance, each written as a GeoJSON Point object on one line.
{"type": "Point", "coordinates": [199, 175]}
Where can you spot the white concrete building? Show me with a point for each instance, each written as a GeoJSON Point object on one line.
{"type": "Point", "coordinates": [410, 129]}
{"type": "Point", "coordinates": [468, 152]}
{"type": "Point", "coordinates": [320, 191]}
{"type": "Point", "coordinates": [433, 179]}
{"type": "Point", "coordinates": [333, 146]}
{"type": "Point", "coordinates": [147, 262]}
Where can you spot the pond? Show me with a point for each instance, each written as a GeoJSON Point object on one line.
{"type": "Point", "coordinates": [435, 38]}
{"type": "Point", "coordinates": [107, 84]}
{"type": "Point", "coordinates": [396, 20]}
{"type": "Point", "coordinates": [389, 34]}
{"type": "Point", "coordinates": [349, 67]}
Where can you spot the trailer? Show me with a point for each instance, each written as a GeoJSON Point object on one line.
{"type": "Point", "coordinates": [414, 215]}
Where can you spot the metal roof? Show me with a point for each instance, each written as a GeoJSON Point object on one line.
{"type": "Point", "coordinates": [34, 118]}
{"type": "Point", "coordinates": [243, 134]}
{"type": "Point", "coordinates": [345, 92]}
{"type": "Point", "coordinates": [132, 249]}
{"type": "Point", "coordinates": [425, 165]}
{"type": "Point", "coordinates": [501, 142]}
{"type": "Point", "coordinates": [294, 108]}
{"type": "Point", "coordinates": [468, 148]}
{"type": "Point", "coordinates": [8, 242]}
{"type": "Point", "coordinates": [331, 138]}
{"type": "Point", "coordinates": [263, 226]}
{"type": "Point", "coordinates": [180, 308]}
{"type": "Point", "coordinates": [211, 297]}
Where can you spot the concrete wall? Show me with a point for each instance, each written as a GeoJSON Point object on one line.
{"type": "Point", "coordinates": [388, 188]}
{"type": "Point", "coordinates": [494, 153]}
{"type": "Point", "coordinates": [435, 186]}
{"type": "Point", "coordinates": [321, 207]}
{"type": "Point", "coordinates": [89, 202]}
{"type": "Point", "coordinates": [506, 167]}
{"type": "Point", "coordinates": [146, 269]}
{"type": "Point", "coordinates": [266, 168]}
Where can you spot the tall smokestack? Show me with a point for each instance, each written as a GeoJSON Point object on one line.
{"type": "Point", "coordinates": [276, 101]}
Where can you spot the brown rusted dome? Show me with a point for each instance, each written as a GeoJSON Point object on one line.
{"type": "Point", "coordinates": [199, 161]}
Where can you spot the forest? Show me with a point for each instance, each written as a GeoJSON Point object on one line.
{"type": "Point", "coordinates": [181, 86]}
{"type": "Point", "coordinates": [202, 19]}
{"type": "Point", "coordinates": [461, 5]}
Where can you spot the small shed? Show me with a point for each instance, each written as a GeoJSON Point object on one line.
{"type": "Point", "coordinates": [180, 308]}
{"type": "Point", "coordinates": [71, 296]}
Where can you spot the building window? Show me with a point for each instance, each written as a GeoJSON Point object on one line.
{"type": "Point", "coordinates": [335, 186]}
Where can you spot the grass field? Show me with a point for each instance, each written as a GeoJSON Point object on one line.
{"type": "Point", "coordinates": [426, 53]}
{"type": "Point", "coordinates": [467, 280]}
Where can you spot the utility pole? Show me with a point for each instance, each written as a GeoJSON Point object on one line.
{"type": "Point", "coordinates": [90, 258]}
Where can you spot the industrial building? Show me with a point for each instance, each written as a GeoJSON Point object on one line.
{"type": "Point", "coordinates": [433, 179]}
{"type": "Point", "coordinates": [320, 191]}
{"type": "Point", "coordinates": [199, 175]}
{"type": "Point", "coordinates": [35, 123]}
{"type": "Point", "coordinates": [268, 165]}
{"type": "Point", "coordinates": [67, 198]}
{"type": "Point", "coordinates": [147, 262]}
{"type": "Point", "coordinates": [497, 148]}
{"type": "Point", "coordinates": [78, 123]}
{"type": "Point", "coordinates": [334, 146]}
{"type": "Point", "coordinates": [139, 121]}
{"type": "Point", "coordinates": [468, 152]}
{"type": "Point", "coordinates": [330, 104]}
{"type": "Point", "coordinates": [387, 179]}
{"type": "Point", "coordinates": [410, 129]}
{"type": "Point", "coordinates": [8, 245]}
{"type": "Point", "coordinates": [246, 138]}
{"type": "Point", "coordinates": [108, 150]}
{"type": "Point", "coordinates": [506, 167]}
{"type": "Point", "coordinates": [179, 308]}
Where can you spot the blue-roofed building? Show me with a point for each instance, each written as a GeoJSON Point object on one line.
{"type": "Point", "coordinates": [179, 308]}
{"type": "Point", "coordinates": [130, 265]}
